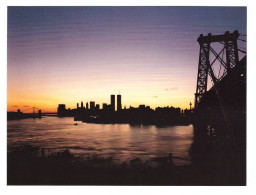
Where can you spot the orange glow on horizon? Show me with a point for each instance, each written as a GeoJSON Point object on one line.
{"type": "Point", "coordinates": [48, 89]}
{"type": "Point", "coordinates": [48, 105]}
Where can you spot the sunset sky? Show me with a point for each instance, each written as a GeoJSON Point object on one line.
{"type": "Point", "coordinates": [72, 54]}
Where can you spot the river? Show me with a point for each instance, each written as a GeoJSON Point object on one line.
{"type": "Point", "coordinates": [120, 141]}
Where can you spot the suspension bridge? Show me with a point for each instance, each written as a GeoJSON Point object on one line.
{"type": "Point", "coordinates": [220, 109]}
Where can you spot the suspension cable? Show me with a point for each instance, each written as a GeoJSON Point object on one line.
{"type": "Point", "coordinates": [242, 40]}
{"type": "Point", "coordinates": [241, 51]}
{"type": "Point", "coordinates": [220, 66]}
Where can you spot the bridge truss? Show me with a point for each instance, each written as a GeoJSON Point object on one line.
{"type": "Point", "coordinates": [227, 45]}
{"type": "Point", "coordinates": [220, 111]}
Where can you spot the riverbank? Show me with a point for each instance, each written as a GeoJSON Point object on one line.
{"type": "Point", "coordinates": [36, 166]}
{"type": "Point", "coordinates": [33, 166]}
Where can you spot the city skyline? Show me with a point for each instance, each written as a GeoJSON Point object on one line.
{"type": "Point", "coordinates": [113, 104]}
{"type": "Point", "coordinates": [72, 54]}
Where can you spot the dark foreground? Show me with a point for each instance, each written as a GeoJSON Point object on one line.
{"type": "Point", "coordinates": [34, 166]}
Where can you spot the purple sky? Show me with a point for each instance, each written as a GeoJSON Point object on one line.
{"type": "Point", "coordinates": [72, 54]}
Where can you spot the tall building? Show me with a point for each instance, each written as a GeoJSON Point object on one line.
{"type": "Point", "coordinates": [77, 106]}
{"type": "Point", "coordinates": [119, 104]}
{"type": "Point", "coordinates": [97, 107]}
{"type": "Point", "coordinates": [61, 109]}
{"type": "Point", "coordinates": [142, 106]}
{"type": "Point", "coordinates": [92, 105]}
{"type": "Point", "coordinates": [112, 97]}
{"type": "Point", "coordinates": [82, 105]}
{"type": "Point", "coordinates": [87, 106]}
{"type": "Point", "coordinates": [104, 106]}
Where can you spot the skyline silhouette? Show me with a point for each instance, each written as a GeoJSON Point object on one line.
{"type": "Point", "coordinates": [111, 114]}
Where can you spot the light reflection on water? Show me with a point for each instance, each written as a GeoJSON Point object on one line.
{"type": "Point", "coordinates": [121, 141]}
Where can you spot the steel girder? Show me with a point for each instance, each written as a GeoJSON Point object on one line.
{"type": "Point", "coordinates": [204, 66]}
{"type": "Point", "coordinates": [202, 72]}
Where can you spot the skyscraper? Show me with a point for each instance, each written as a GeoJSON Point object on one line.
{"type": "Point", "coordinates": [104, 106]}
{"type": "Point", "coordinates": [119, 104]}
{"type": "Point", "coordinates": [61, 109]}
{"type": "Point", "coordinates": [112, 97]}
{"type": "Point", "coordinates": [82, 105]}
{"type": "Point", "coordinates": [92, 105]}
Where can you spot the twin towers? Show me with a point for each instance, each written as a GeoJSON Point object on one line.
{"type": "Point", "coordinates": [105, 106]}
{"type": "Point", "coordinates": [119, 104]}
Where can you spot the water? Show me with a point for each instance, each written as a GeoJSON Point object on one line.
{"type": "Point", "coordinates": [121, 141]}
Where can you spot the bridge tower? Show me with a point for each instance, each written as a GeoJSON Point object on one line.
{"type": "Point", "coordinates": [229, 46]}
{"type": "Point", "coordinates": [220, 111]}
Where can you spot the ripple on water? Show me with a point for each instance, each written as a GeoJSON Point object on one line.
{"type": "Point", "coordinates": [119, 140]}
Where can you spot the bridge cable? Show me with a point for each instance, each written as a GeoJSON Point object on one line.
{"type": "Point", "coordinates": [30, 108]}
{"type": "Point", "coordinates": [243, 48]}
{"type": "Point", "coordinates": [242, 40]}
{"type": "Point", "coordinates": [241, 51]}
{"type": "Point", "coordinates": [220, 65]}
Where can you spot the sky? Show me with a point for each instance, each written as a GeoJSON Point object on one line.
{"type": "Point", "coordinates": [65, 55]}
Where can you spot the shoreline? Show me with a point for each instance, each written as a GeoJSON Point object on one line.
{"type": "Point", "coordinates": [110, 123]}
{"type": "Point", "coordinates": [33, 166]}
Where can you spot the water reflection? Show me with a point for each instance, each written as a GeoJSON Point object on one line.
{"type": "Point", "coordinates": [122, 141]}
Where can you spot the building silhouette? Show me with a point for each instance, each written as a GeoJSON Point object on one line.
{"type": "Point", "coordinates": [142, 106]}
{"type": "Point", "coordinates": [142, 114]}
{"type": "Point", "coordinates": [119, 103]}
{"type": "Point", "coordinates": [104, 106]}
{"type": "Point", "coordinates": [92, 105]}
{"type": "Point", "coordinates": [62, 110]}
{"type": "Point", "coordinates": [112, 99]}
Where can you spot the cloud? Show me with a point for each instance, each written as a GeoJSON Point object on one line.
{"type": "Point", "coordinates": [154, 96]}
{"type": "Point", "coordinates": [15, 106]}
{"type": "Point", "coordinates": [171, 89]}
{"type": "Point", "coordinates": [25, 106]}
